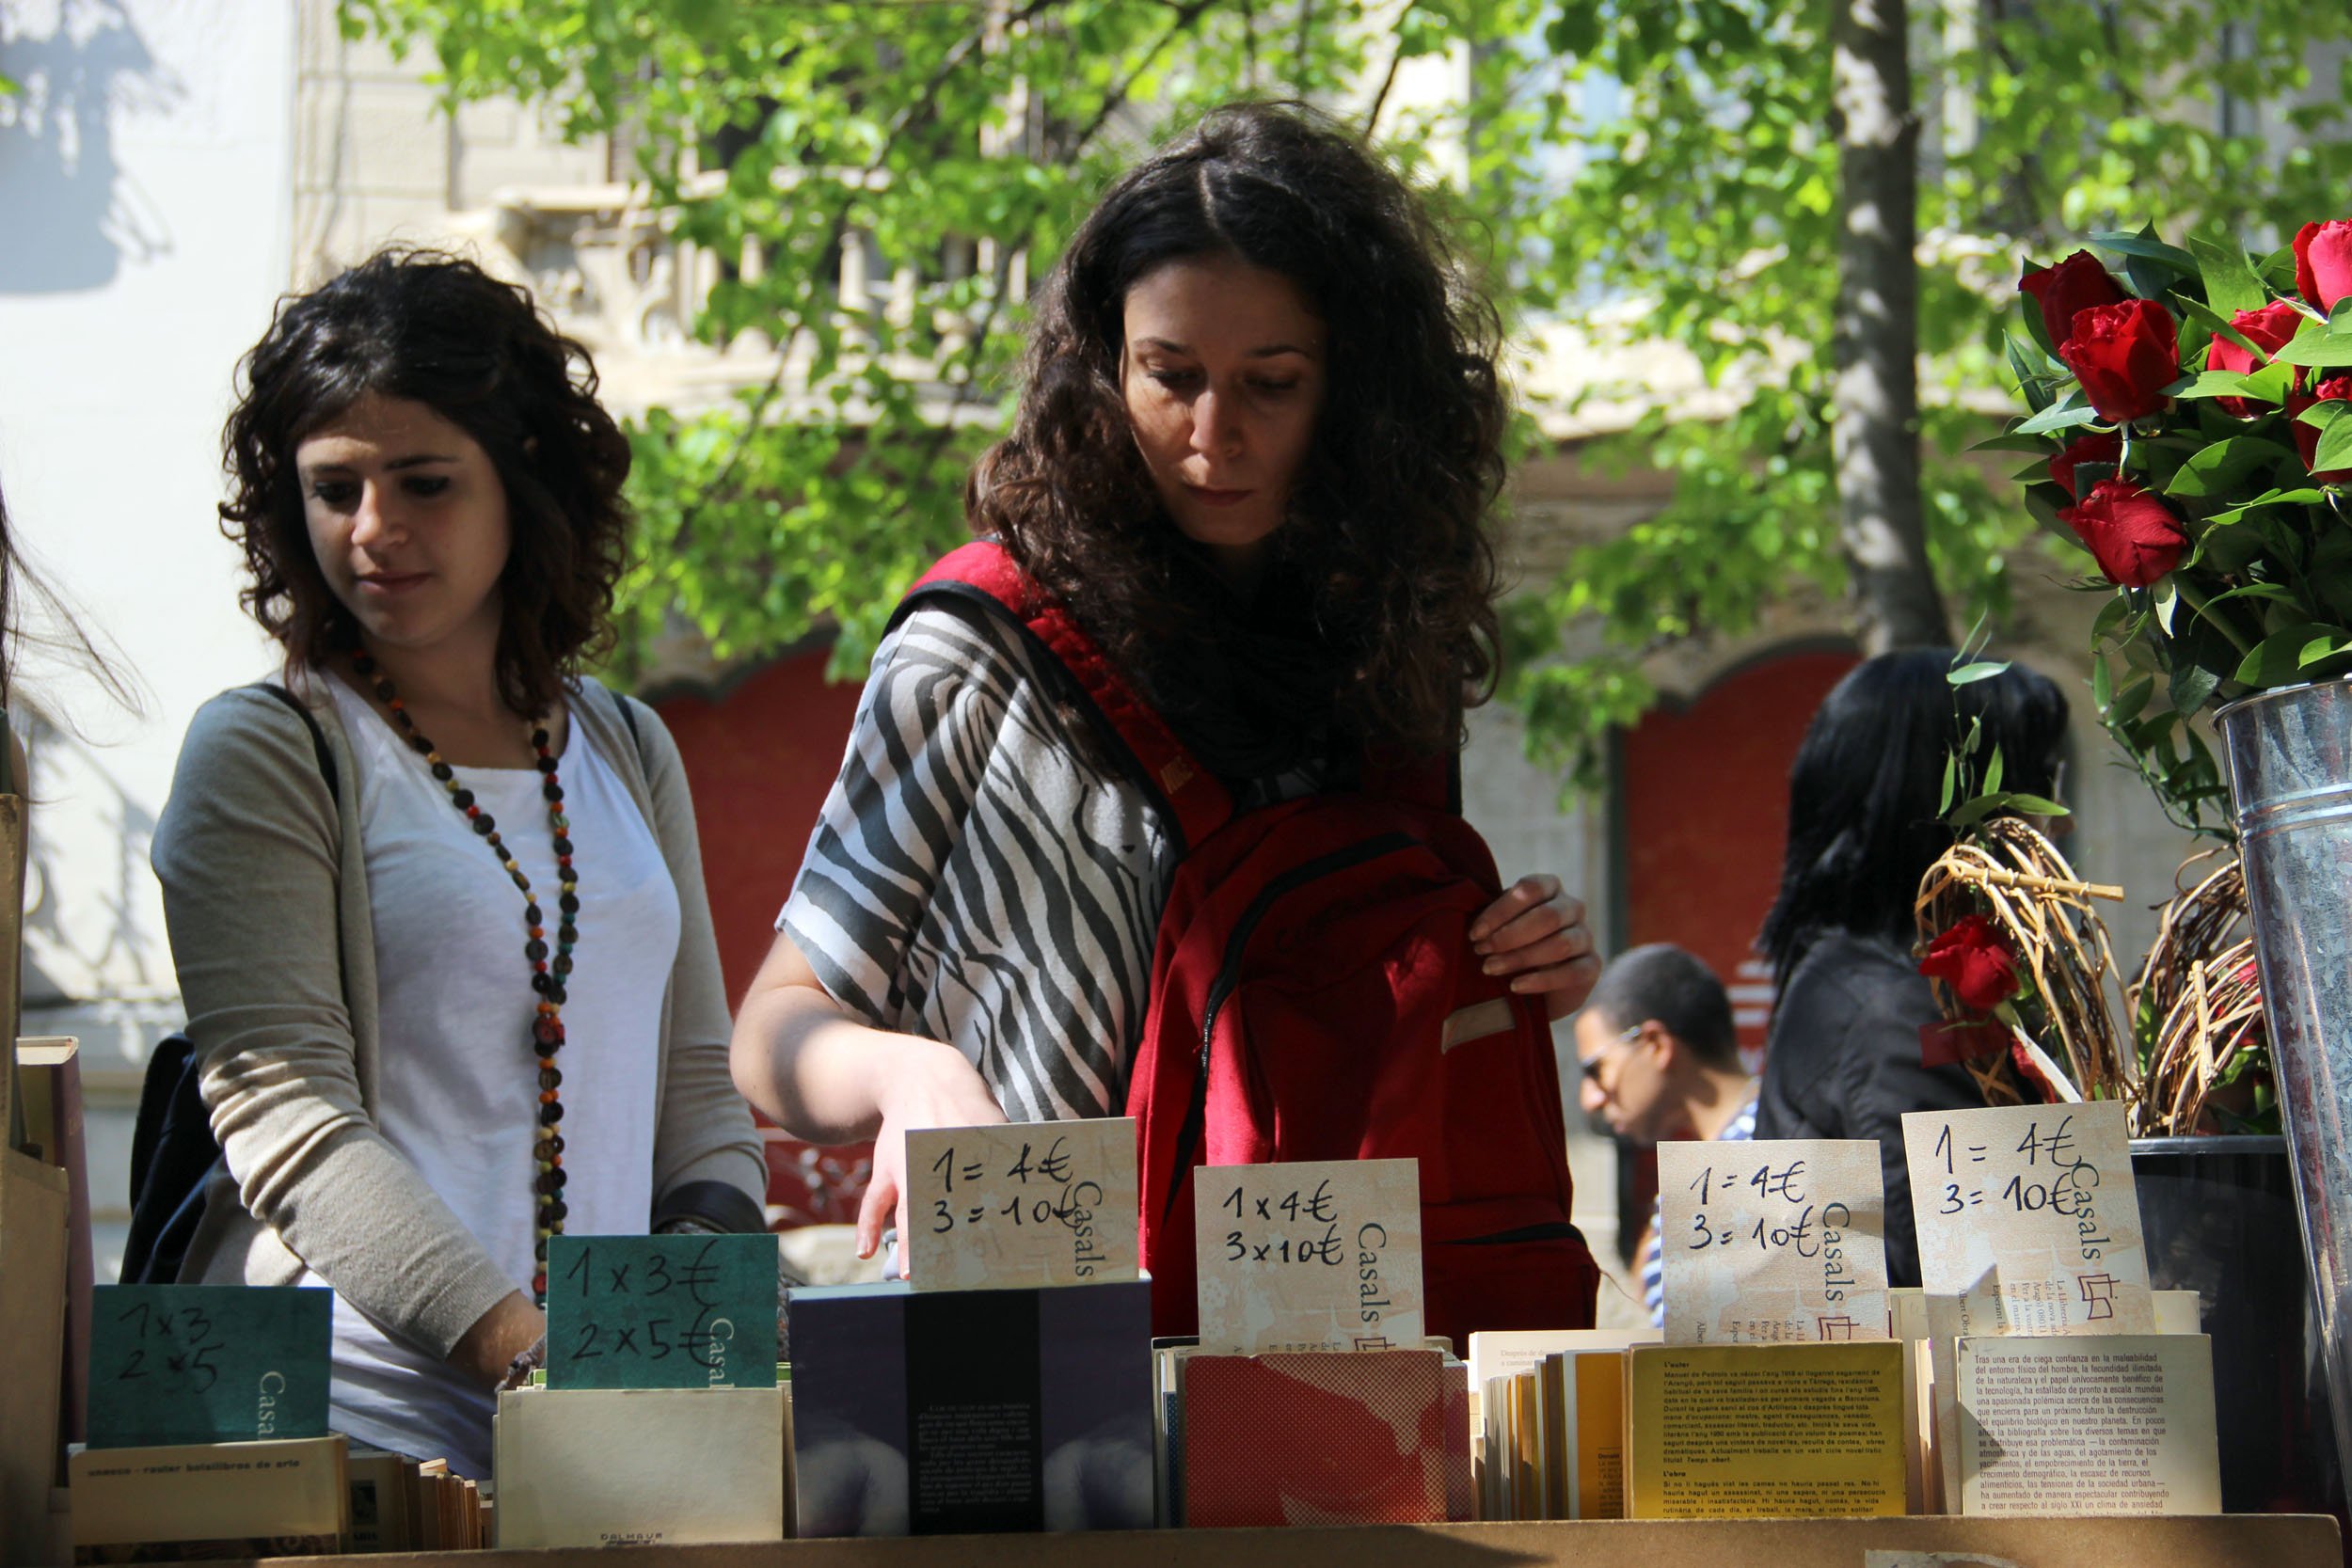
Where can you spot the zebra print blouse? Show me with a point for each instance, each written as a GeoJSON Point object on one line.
{"type": "Point", "coordinates": [975, 878]}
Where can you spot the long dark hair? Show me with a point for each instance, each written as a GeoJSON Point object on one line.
{"type": "Point", "coordinates": [1863, 793]}
{"type": "Point", "coordinates": [436, 329]}
{"type": "Point", "coordinates": [1387, 535]}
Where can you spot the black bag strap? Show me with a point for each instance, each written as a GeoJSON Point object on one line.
{"type": "Point", "coordinates": [318, 735]}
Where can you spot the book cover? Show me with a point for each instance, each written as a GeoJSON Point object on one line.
{"type": "Point", "coordinates": [195, 1496]}
{"type": "Point", "coordinates": [639, 1467]}
{"type": "Point", "coordinates": [1776, 1432]}
{"type": "Point", "coordinates": [1316, 1437]}
{"type": "Point", "coordinates": [2087, 1424]}
{"type": "Point", "coordinates": [1595, 1436]}
{"type": "Point", "coordinates": [380, 1484]}
{"type": "Point", "coordinates": [956, 1412]}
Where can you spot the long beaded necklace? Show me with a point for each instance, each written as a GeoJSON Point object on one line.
{"type": "Point", "coordinates": [547, 971]}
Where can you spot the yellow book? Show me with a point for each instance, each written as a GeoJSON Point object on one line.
{"type": "Point", "coordinates": [1527, 1442]}
{"type": "Point", "coordinates": [1596, 1436]}
{"type": "Point", "coordinates": [1785, 1430]}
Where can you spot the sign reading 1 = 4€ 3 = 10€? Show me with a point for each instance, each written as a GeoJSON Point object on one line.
{"type": "Point", "coordinates": [1773, 1242]}
{"type": "Point", "coordinates": [2028, 1216]}
{"type": "Point", "coordinates": [1021, 1204]}
{"type": "Point", "coordinates": [1317, 1254]}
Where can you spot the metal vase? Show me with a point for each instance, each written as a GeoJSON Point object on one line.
{"type": "Point", "coordinates": [2290, 756]}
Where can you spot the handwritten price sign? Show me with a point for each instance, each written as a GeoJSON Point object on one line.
{"type": "Point", "coordinates": [1021, 1204]}
{"type": "Point", "coordinates": [1313, 1256]}
{"type": "Point", "coordinates": [662, 1312]}
{"type": "Point", "coordinates": [1770, 1243]}
{"type": "Point", "coordinates": [207, 1364]}
{"type": "Point", "coordinates": [2029, 1215]}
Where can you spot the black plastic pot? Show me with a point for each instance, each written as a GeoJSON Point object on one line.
{"type": "Point", "coordinates": [2218, 1216]}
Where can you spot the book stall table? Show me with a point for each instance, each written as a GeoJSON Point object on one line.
{"type": "Point", "coordinates": [2212, 1541]}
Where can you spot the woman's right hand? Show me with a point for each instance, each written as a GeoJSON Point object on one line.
{"type": "Point", "coordinates": [932, 1086]}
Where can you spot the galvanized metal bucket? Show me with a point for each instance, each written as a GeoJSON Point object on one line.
{"type": "Point", "coordinates": [2290, 757]}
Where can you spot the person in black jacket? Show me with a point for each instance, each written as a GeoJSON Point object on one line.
{"type": "Point", "coordinates": [1843, 1057]}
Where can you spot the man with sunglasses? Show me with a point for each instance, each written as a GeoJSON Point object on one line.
{"type": "Point", "coordinates": [1660, 1060]}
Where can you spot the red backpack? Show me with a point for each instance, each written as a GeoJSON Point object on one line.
{"type": "Point", "coordinates": [1314, 997]}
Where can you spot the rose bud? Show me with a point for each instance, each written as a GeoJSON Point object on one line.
{"type": "Point", "coordinates": [2124, 355]}
{"type": "Point", "coordinates": [2133, 536]}
{"type": "Point", "coordinates": [2099, 446]}
{"type": "Point", "coordinates": [2323, 263]}
{"type": "Point", "coordinates": [1972, 958]}
{"type": "Point", "coordinates": [2074, 284]}
{"type": "Point", "coordinates": [2268, 330]}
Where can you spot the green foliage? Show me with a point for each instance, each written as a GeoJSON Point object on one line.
{"type": "Point", "coordinates": [1650, 171]}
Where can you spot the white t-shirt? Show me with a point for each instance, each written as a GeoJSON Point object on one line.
{"type": "Point", "coordinates": [458, 1082]}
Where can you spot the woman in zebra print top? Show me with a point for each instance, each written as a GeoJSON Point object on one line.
{"type": "Point", "coordinates": [1256, 451]}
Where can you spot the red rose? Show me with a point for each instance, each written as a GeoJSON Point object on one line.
{"type": "Point", "coordinates": [2124, 355]}
{"type": "Point", "coordinates": [2099, 446]}
{"type": "Point", "coordinates": [2074, 284]}
{"type": "Point", "coordinates": [2134, 537]}
{"type": "Point", "coordinates": [2334, 389]}
{"type": "Point", "coordinates": [2270, 329]}
{"type": "Point", "coordinates": [2323, 263]}
{"type": "Point", "coordinates": [1972, 958]}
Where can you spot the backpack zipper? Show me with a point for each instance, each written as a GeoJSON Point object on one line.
{"type": "Point", "coordinates": [1229, 976]}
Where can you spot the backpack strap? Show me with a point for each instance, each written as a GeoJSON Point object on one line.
{"type": "Point", "coordinates": [318, 735]}
{"type": "Point", "coordinates": [985, 572]}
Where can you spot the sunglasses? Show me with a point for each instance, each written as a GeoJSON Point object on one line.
{"type": "Point", "coordinates": [1591, 1069]}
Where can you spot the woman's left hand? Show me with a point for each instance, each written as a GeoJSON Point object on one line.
{"type": "Point", "coordinates": [1536, 933]}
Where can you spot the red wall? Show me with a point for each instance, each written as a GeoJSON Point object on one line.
{"type": "Point", "coordinates": [1705, 793]}
{"type": "Point", "coordinates": [759, 758]}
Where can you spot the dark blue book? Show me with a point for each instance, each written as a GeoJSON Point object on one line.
{"type": "Point", "coordinates": [963, 1412]}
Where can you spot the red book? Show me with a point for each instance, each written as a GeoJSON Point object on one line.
{"type": "Point", "coordinates": [1323, 1437]}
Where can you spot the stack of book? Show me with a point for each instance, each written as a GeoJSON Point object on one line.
{"type": "Point", "coordinates": [271, 1498]}
{"type": "Point", "coordinates": [641, 1467]}
{"type": "Point", "coordinates": [1548, 1435]}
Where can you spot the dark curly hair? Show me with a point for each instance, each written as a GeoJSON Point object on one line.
{"type": "Point", "coordinates": [436, 329]}
{"type": "Point", "coordinates": [1386, 533]}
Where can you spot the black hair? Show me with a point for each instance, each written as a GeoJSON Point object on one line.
{"type": "Point", "coordinates": [1675, 987]}
{"type": "Point", "coordinates": [1864, 824]}
{"type": "Point", "coordinates": [433, 328]}
{"type": "Point", "coordinates": [1388, 521]}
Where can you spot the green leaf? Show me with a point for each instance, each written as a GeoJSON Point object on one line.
{"type": "Point", "coordinates": [2147, 250]}
{"type": "Point", "coordinates": [2318, 348]}
{"type": "Point", "coordinates": [1983, 669]}
{"type": "Point", "coordinates": [2194, 316]}
{"type": "Point", "coordinates": [1951, 783]}
{"type": "Point", "coordinates": [2102, 684]}
{"type": "Point", "coordinates": [2064, 415]}
{"type": "Point", "coordinates": [2230, 285]}
{"type": "Point", "coordinates": [2032, 385]}
{"type": "Point", "coordinates": [2133, 699]}
{"type": "Point", "coordinates": [2166, 599]}
{"type": "Point", "coordinates": [2220, 469]}
{"type": "Point", "coordinates": [2279, 659]}
{"type": "Point", "coordinates": [2013, 442]}
{"type": "Point", "coordinates": [1992, 773]}
{"type": "Point", "coordinates": [2191, 686]}
{"type": "Point", "coordinates": [2334, 453]}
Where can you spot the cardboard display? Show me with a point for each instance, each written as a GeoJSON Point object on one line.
{"type": "Point", "coordinates": [1773, 1242]}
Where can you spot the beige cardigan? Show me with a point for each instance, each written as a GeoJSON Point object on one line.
{"type": "Point", "coordinates": [266, 898]}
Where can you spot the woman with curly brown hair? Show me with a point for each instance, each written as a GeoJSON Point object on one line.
{"type": "Point", "coordinates": [434, 895]}
{"type": "Point", "coordinates": [1255, 456]}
